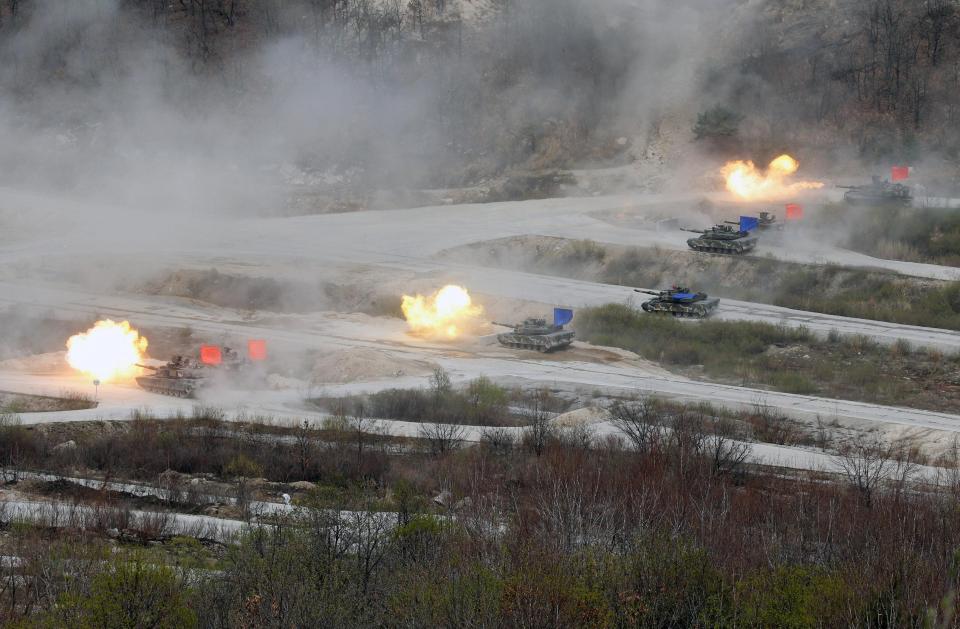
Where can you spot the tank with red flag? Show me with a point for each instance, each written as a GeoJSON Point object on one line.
{"type": "Point", "coordinates": [878, 192]}
{"type": "Point", "coordinates": [183, 376]}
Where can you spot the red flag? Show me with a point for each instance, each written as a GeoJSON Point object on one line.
{"type": "Point", "coordinates": [794, 212]}
{"type": "Point", "coordinates": [257, 349]}
{"type": "Point", "coordinates": [899, 173]}
{"type": "Point", "coordinates": [210, 355]}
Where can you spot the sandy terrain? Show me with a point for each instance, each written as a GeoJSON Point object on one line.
{"type": "Point", "coordinates": [73, 273]}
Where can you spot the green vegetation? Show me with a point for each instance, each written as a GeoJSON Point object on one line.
{"type": "Point", "coordinates": [912, 234]}
{"type": "Point", "coordinates": [584, 536]}
{"type": "Point", "coordinates": [129, 592]}
{"type": "Point", "coordinates": [792, 360]}
{"type": "Point", "coordinates": [481, 403]}
{"type": "Point", "coordinates": [66, 401]}
{"type": "Point", "coordinates": [717, 122]}
{"type": "Point", "coordinates": [827, 289]}
{"type": "Point", "coordinates": [871, 296]}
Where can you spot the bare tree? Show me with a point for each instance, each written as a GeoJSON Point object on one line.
{"type": "Point", "coordinates": [442, 438]}
{"type": "Point", "coordinates": [361, 427]}
{"type": "Point", "coordinates": [540, 429]}
{"type": "Point", "coordinates": [936, 21]}
{"type": "Point", "coordinates": [579, 436]}
{"type": "Point", "coordinates": [687, 439]}
{"type": "Point", "coordinates": [903, 465]}
{"type": "Point", "coordinates": [641, 421]}
{"type": "Point", "coordinates": [498, 440]}
{"type": "Point", "coordinates": [305, 446]}
{"type": "Point", "coordinates": [440, 388]}
{"type": "Point", "coordinates": [865, 463]}
{"type": "Point", "coordinates": [574, 511]}
{"type": "Point", "coordinates": [415, 7]}
{"type": "Point", "coordinates": [370, 530]}
{"type": "Point", "coordinates": [726, 453]}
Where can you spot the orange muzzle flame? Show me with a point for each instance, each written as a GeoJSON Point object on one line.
{"type": "Point", "coordinates": [448, 313]}
{"type": "Point", "coordinates": [107, 351]}
{"type": "Point", "coordinates": [749, 183]}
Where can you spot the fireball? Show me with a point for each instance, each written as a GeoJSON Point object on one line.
{"type": "Point", "coordinates": [107, 351]}
{"type": "Point", "coordinates": [443, 314]}
{"type": "Point", "coordinates": [746, 181]}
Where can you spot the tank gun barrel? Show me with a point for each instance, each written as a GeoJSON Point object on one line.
{"type": "Point", "coordinates": [506, 325]}
{"type": "Point", "coordinates": [645, 292]}
{"type": "Point", "coordinates": [849, 187]}
{"type": "Point", "coordinates": [695, 231]}
{"type": "Point", "coordinates": [732, 222]}
{"type": "Point", "coordinates": [151, 367]}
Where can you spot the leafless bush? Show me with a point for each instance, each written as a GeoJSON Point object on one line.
{"type": "Point", "coordinates": [771, 426]}
{"type": "Point", "coordinates": [578, 436]}
{"type": "Point", "coordinates": [74, 400]}
{"type": "Point", "coordinates": [641, 421]}
{"type": "Point", "coordinates": [575, 511]}
{"type": "Point", "coordinates": [202, 412]}
{"type": "Point", "coordinates": [442, 438]}
{"type": "Point", "coordinates": [151, 525]}
{"type": "Point", "coordinates": [540, 429]}
{"type": "Point", "coordinates": [498, 440]}
{"type": "Point", "coordinates": [687, 437]}
{"type": "Point", "coordinates": [143, 413]}
{"type": "Point", "coordinates": [726, 453]}
{"type": "Point", "coordinates": [865, 463]}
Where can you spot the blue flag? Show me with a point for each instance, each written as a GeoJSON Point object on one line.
{"type": "Point", "coordinates": [748, 223]}
{"type": "Point", "coordinates": [562, 316]}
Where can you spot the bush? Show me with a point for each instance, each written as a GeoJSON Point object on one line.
{"type": "Point", "coordinates": [790, 382]}
{"type": "Point", "coordinates": [127, 593]}
{"type": "Point", "coordinates": [793, 596]}
{"type": "Point", "coordinates": [717, 122]}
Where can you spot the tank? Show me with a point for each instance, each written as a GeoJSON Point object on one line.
{"type": "Point", "coordinates": [679, 302]}
{"type": "Point", "coordinates": [183, 376]}
{"type": "Point", "coordinates": [536, 333]}
{"type": "Point", "coordinates": [180, 377]}
{"type": "Point", "coordinates": [722, 239]}
{"type": "Point", "coordinates": [878, 191]}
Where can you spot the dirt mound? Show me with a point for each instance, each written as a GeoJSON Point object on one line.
{"type": "Point", "coordinates": [247, 292]}
{"type": "Point", "coordinates": [49, 363]}
{"type": "Point", "coordinates": [365, 364]}
{"type": "Point", "coordinates": [581, 417]}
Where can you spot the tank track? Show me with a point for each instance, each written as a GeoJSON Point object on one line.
{"type": "Point", "coordinates": [513, 342]}
{"type": "Point", "coordinates": [729, 248]}
{"type": "Point", "coordinates": [692, 312]}
{"type": "Point", "coordinates": [157, 387]}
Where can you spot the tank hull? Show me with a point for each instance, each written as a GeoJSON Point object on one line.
{"type": "Point", "coordinates": [538, 342]}
{"type": "Point", "coordinates": [695, 309]}
{"type": "Point", "coordinates": [860, 197]}
{"type": "Point", "coordinates": [739, 246]}
{"type": "Point", "coordinates": [175, 387]}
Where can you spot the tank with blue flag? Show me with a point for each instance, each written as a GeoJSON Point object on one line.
{"type": "Point", "coordinates": [722, 238]}
{"type": "Point", "coordinates": [537, 333]}
{"type": "Point", "coordinates": [679, 302]}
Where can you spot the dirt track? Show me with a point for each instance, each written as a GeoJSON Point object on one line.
{"type": "Point", "coordinates": [395, 246]}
